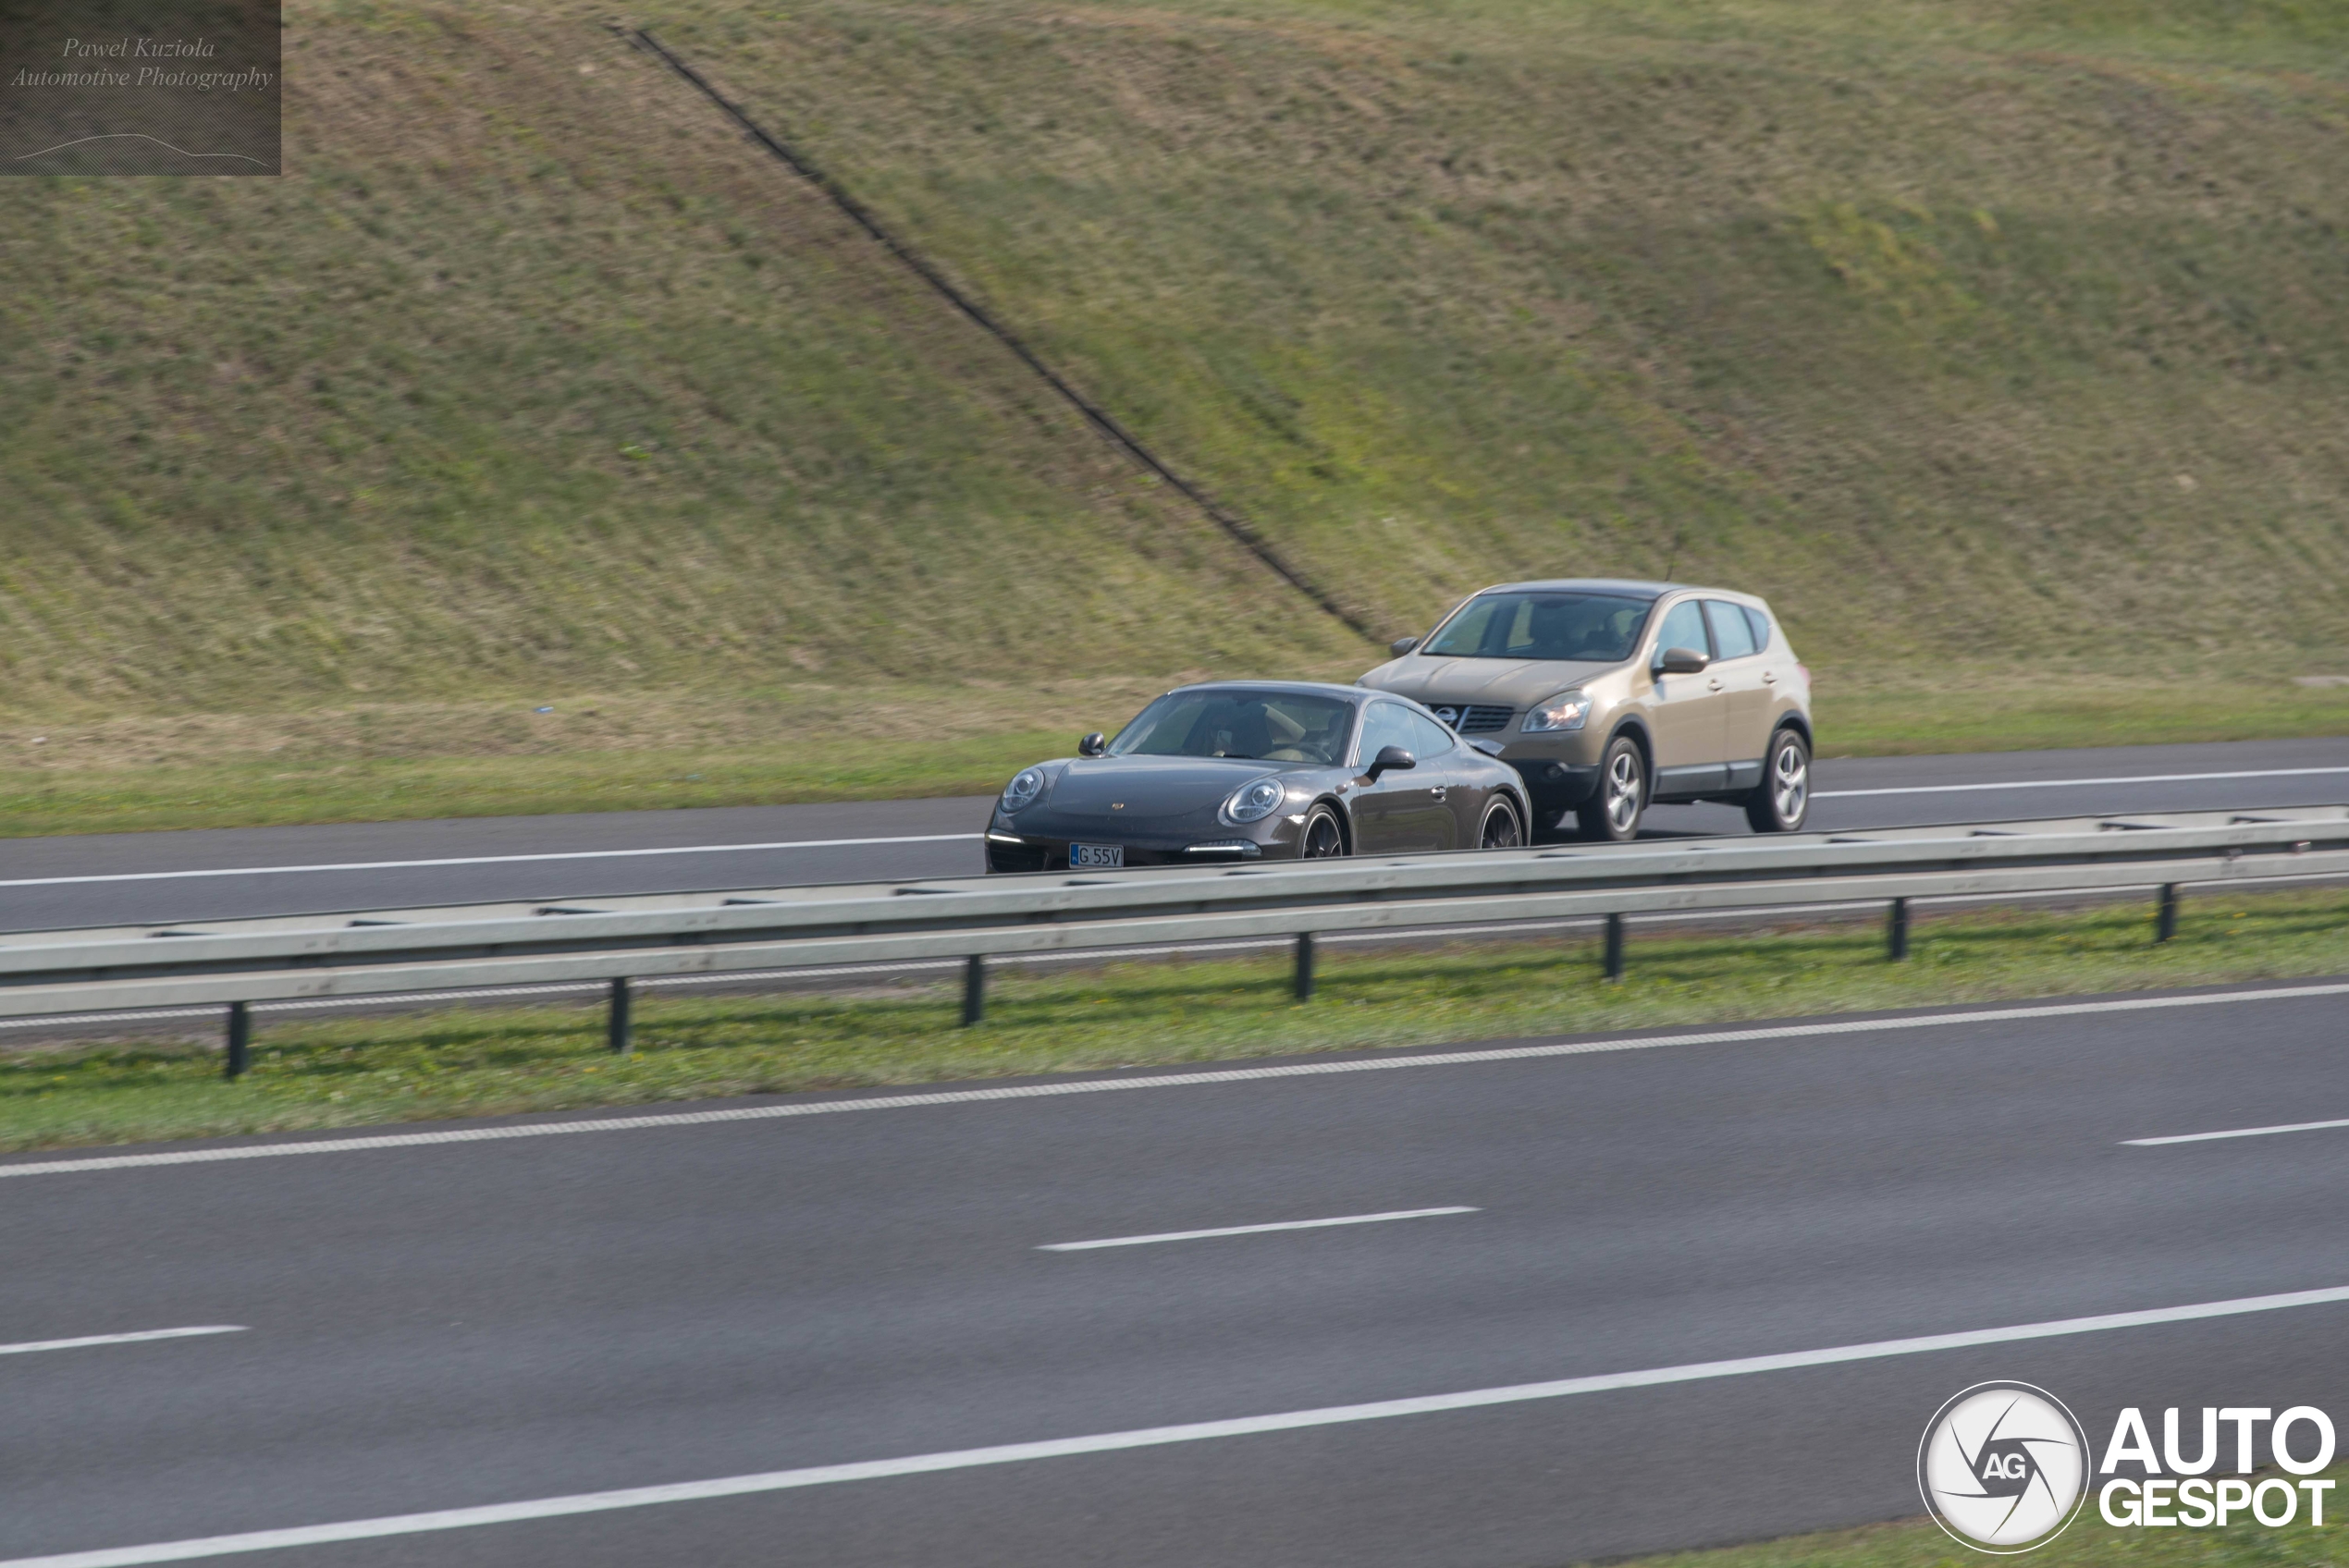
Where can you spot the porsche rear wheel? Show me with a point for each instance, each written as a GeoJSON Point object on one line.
{"type": "Point", "coordinates": [1323, 837]}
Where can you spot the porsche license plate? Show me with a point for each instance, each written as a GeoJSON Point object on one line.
{"type": "Point", "coordinates": [1080, 857]}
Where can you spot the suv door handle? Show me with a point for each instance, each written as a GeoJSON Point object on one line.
{"type": "Point", "coordinates": [1769, 679]}
{"type": "Point", "coordinates": [1713, 685]}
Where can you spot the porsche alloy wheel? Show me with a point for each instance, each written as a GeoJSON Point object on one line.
{"type": "Point", "coordinates": [1323, 837]}
{"type": "Point", "coordinates": [1502, 830]}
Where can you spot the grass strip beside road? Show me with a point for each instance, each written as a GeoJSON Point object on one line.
{"type": "Point", "coordinates": [409, 790]}
{"type": "Point", "coordinates": [480, 1061]}
{"type": "Point", "coordinates": [2089, 1543]}
{"type": "Point", "coordinates": [407, 762]}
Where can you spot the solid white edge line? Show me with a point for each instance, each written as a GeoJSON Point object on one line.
{"type": "Point", "coordinates": [1152, 1081]}
{"type": "Point", "coordinates": [2233, 1132]}
{"type": "Point", "coordinates": [1252, 1230]}
{"type": "Point", "coordinates": [480, 860]}
{"type": "Point", "coordinates": [1148, 1436]}
{"type": "Point", "coordinates": [2073, 783]}
{"type": "Point", "coordinates": [31, 1346]}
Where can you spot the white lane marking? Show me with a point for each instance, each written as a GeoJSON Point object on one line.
{"type": "Point", "coordinates": [1148, 1436]}
{"type": "Point", "coordinates": [1251, 1230]}
{"type": "Point", "coordinates": [1154, 1081]}
{"type": "Point", "coordinates": [2075, 783]}
{"type": "Point", "coordinates": [482, 860]}
{"type": "Point", "coordinates": [2235, 1132]}
{"type": "Point", "coordinates": [30, 1346]}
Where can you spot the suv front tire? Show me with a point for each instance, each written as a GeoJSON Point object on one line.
{"type": "Point", "coordinates": [1613, 812]}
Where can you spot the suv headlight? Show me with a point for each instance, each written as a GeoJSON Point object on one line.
{"type": "Point", "coordinates": [1565, 711]}
{"type": "Point", "coordinates": [1255, 801]}
{"type": "Point", "coordinates": [1025, 784]}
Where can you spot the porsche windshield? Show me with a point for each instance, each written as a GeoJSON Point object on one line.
{"type": "Point", "coordinates": [1264, 725]}
{"type": "Point", "coordinates": [1596, 628]}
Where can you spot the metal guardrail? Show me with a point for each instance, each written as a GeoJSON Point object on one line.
{"type": "Point", "coordinates": [388, 953]}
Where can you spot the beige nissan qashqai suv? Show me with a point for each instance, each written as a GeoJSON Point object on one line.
{"type": "Point", "coordinates": [1609, 696]}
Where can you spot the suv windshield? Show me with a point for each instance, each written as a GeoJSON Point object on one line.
{"type": "Point", "coordinates": [1267, 726]}
{"type": "Point", "coordinates": [1598, 628]}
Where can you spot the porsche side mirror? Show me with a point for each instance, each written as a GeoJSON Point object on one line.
{"type": "Point", "coordinates": [1391, 758]}
{"type": "Point", "coordinates": [1681, 661]}
{"type": "Point", "coordinates": [1092, 746]}
{"type": "Point", "coordinates": [1402, 645]}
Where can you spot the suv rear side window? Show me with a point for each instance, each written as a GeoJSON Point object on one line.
{"type": "Point", "coordinates": [1732, 633]}
{"type": "Point", "coordinates": [1761, 624]}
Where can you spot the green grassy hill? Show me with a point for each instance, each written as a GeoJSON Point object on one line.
{"type": "Point", "coordinates": [2005, 346]}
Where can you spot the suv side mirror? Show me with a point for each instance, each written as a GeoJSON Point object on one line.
{"type": "Point", "coordinates": [1092, 746]}
{"type": "Point", "coordinates": [1391, 759]}
{"type": "Point", "coordinates": [1681, 661]}
{"type": "Point", "coordinates": [1402, 645]}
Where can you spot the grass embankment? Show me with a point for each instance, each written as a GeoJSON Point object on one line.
{"type": "Point", "coordinates": [2089, 1543]}
{"type": "Point", "coordinates": [2006, 338]}
{"type": "Point", "coordinates": [483, 1062]}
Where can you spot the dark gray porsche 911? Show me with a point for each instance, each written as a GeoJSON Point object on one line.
{"type": "Point", "coordinates": [1246, 769]}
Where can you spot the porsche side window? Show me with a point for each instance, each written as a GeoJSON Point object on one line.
{"type": "Point", "coordinates": [1385, 724]}
{"type": "Point", "coordinates": [1429, 739]}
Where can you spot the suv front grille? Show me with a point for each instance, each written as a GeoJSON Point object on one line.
{"type": "Point", "coordinates": [1473, 719]}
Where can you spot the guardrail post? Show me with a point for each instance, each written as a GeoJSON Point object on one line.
{"type": "Point", "coordinates": [240, 1039]}
{"type": "Point", "coordinates": [1896, 931]}
{"type": "Point", "coordinates": [1615, 946]}
{"type": "Point", "coordinates": [1304, 966]}
{"type": "Point", "coordinates": [974, 989]}
{"type": "Point", "coordinates": [2165, 924]}
{"type": "Point", "coordinates": [619, 1027]}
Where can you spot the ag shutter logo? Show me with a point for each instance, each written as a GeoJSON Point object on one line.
{"type": "Point", "coordinates": [2003, 1467]}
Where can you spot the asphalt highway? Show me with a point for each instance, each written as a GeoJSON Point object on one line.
{"type": "Point", "coordinates": [136, 878]}
{"type": "Point", "coordinates": [440, 1325]}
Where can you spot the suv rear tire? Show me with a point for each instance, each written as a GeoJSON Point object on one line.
{"type": "Point", "coordinates": [1613, 814]}
{"type": "Point", "coordinates": [1782, 800]}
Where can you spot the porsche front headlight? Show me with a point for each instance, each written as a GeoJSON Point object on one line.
{"type": "Point", "coordinates": [1565, 711]}
{"type": "Point", "coordinates": [1025, 784]}
{"type": "Point", "coordinates": [1255, 801]}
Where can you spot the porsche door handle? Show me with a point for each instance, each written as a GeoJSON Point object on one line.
{"type": "Point", "coordinates": [1437, 792]}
